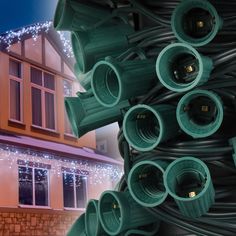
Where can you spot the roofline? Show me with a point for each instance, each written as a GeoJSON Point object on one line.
{"type": "Point", "coordinates": [61, 150]}
{"type": "Point", "coordinates": [51, 34]}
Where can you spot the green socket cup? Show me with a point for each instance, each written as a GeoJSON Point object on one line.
{"type": "Point", "coordinates": [188, 181]}
{"type": "Point", "coordinates": [149, 230]}
{"type": "Point", "coordinates": [145, 182]}
{"type": "Point", "coordinates": [84, 79]}
{"type": "Point", "coordinates": [234, 159]}
{"type": "Point", "coordinates": [92, 222]}
{"type": "Point", "coordinates": [78, 228]}
{"type": "Point", "coordinates": [232, 143]}
{"type": "Point", "coordinates": [146, 126]}
{"type": "Point", "coordinates": [91, 46]}
{"type": "Point", "coordinates": [180, 67]}
{"type": "Point", "coordinates": [78, 15]}
{"type": "Point", "coordinates": [77, 70]}
{"type": "Point", "coordinates": [86, 114]}
{"type": "Point", "coordinates": [200, 113]}
{"type": "Point", "coordinates": [118, 212]}
{"type": "Point", "coordinates": [114, 81]}
{"type": "Point", "coordinates": [195, 22]}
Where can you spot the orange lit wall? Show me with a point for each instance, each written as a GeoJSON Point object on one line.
{"type": "Point", "coordinates": [43, 55]}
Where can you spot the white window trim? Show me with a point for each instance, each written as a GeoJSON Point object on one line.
{"type": "Point", "coordinates": [42, 128]}
{"type": "Point", "coordinates": [35, 207]}
{"type": "Point", "coordinates": [20, 80]}
{"type": "Point", "coordinates": [68, 134]}
{"type": "Point", "coordinates": [74, 188]}
{"type": "Point", "coordinates": [43, 91]}
{"type": "Point", "coordinates": [33, 180]}
{"type": "Point", "coordinates": [74, 209]}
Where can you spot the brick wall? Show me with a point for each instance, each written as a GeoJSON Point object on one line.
{"type": "Point", "coordinates": [32, 222]}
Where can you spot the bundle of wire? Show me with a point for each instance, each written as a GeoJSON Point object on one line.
{"type": "Point", "coordinates": [204, 111]}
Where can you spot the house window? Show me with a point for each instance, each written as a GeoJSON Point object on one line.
{"type": "Point", "coordinates": [102, 146]}
{"type": "Point", "coordinates": [33, 186]}
{"type": "Point", "coordinates": [67, 88]}
{"type": "Point", "coordinates": [74, 190]}
{"type": "Point", "coordinates": [15, 75]}
{"type": "Point", "coordinates": [43, 99]}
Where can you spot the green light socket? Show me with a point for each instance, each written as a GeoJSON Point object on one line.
{"type": "Point", "coordinates": [86, 114]}
{"type": "Point", "coordinates": [75, 15]}
{"type": "Point", "coordinates": [234, 159]}
{"type": "Point", "coordinates": [77, 70]}
{"type": "Point", "coordinates": [146, 184]}
{"type": "Point", "coordinates": [118, 212]}
{"type": "Point", "coordinates": [232, 143]}
{"type": "Point", "coordinates": [78, 228]}
{"type": "Point", "coordinates": [114, 81]}
{"type": "Point", "coordinates": [94, 45]}
{"type": "Point", "coordinates": [149, 230]}
{"type": "Point", "coordinates": [195, 22]}
{"type": "Point", "coordinates": [188, 181]}
{"type": "Point", "coordinates": [200, 113]}
{"type": "Point", "coordinates": [180, 67]}
{"type": "Point", "coordinates": [84, 79]}
{"type": "Point", "coordinates": [146, 126]}
{"type": "Point", "coordinates": [92, 222]}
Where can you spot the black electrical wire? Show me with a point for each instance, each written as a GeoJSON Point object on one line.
{"type": "Point", "coordinates": [148, 13]}
{"type": "Point", "coordinates": [166, 37]}
{"type": "Point", "coordinates": [153, 34]}
{"type": "Point", "coordinates": [218, 226]}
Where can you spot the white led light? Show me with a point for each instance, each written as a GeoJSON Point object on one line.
{"type": "Point", "coordinates": [35, 30]}
{"type": "Point", "coordinates": [101, 172]}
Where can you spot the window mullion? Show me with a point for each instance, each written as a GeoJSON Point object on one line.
{"type": "Point", "coordinates": [43, 102]}
{"type": "Point", "coordinates": [33, 173]}
{"type": "Point", "coordinates": [48, 192]}
{"type": "Point", "coordinates": [75, 195]}
{"type": "Point", "coordinates": [19, 81]}
{"type": "Point", "coordinates": [86, 190]}
{"type": "Point", "coordinates": [55, 108]}
{"type": "Point", "coordinates": [21, 102]}
{"type": "Point", "coordinates": [43, 108]}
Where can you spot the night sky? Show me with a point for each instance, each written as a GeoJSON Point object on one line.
{"type": "Point", "coordinates": [17, 13]}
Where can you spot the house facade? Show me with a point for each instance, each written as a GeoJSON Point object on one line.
{"type": "Point", "coordinates": [47, 174]}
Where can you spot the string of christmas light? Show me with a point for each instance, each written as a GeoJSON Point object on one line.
{"type": "Point", "coordinates": [67, 47]}
{"type": "Point", "coordinates": [11, 36]}
{"type": "Point", "coordinates": [100, 172]}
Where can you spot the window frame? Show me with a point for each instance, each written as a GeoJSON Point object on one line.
{"type": "Point", "coordinates": [71, 134]}
{"type": "Point", "coordinates": [74, 189]}
{"type": "Point", "coordinates": [20, 81]}
{"type": "Point", "coordinates": [33, 189]}
{"type": "Point", "coordinates": [43, 100]}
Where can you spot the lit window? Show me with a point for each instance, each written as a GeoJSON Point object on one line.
{"type": "Point", "coordinates": [74, 190]}
{"type": "Point", "coordinates": [15, 75]}
{"type": "Point", "coordinates": [43, 99]}
{"type": "Point", "coordinates": [33, 186]}
{"type": "Point", "coordinates": [67, 88]}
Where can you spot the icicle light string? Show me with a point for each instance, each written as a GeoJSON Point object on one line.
{"type": "Point", "coordinates": [10, 37]}
{"type": "Point", "coordinates": [99, 171]}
